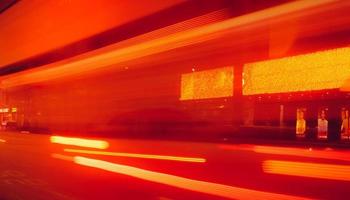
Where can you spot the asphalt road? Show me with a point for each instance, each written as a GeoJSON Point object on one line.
{"type": "Point", "coordinates": [42, 167]}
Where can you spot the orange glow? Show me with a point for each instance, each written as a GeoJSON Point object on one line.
{"type": "Point", "coordinates": [216, 189]}
{"type": "Point", "coordinates": [70, 21]}
{"type": "Point", "coordinates": [134, 155]}
{"type": "Point", "coordinates": [288, 151]}
{"type": "Point", "coordinates": [4, 110]}
{"type": "Point", "coordinates": [346, 86]}
{"type": "Point", "coordinates": [207, 84]}
{"type": "Point", "coordinates": [315, 71]}
{"type": "Point", "coordinates": [311, 170]}
{"type": "Point", "coordinates": [3, 141]}
{"type": "Point", "coordinates": [336, 155]}
{"type": "Point", "coordinates": [98, 144]}
{"type": "Point", "coordinates": [137, 48]}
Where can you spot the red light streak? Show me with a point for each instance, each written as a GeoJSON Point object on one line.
{"type": "Point", "coordinates": [98, 144]}
{"type": "Point", "coordinates": [215, 189]}
{"type": "Point", "coordinates": [131, 50]}
{"type": "Point", "coordinates": [311, 170]}
{"type": "Point", "coordinates": [3, 141]}
{"type": "Point", "coordinates": [75, 24]}
{"type": "Point", "coordinates": [287, 151]}
{"type": "Point", "coordinates": [311, 153]}
{"type": "Point", "coordinates": [134, 155]}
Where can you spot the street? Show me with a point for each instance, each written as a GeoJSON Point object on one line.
{"type": "Point", "coordinates": [39, 167]}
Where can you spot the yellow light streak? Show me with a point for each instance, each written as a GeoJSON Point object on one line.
{"type": "Point", "coordinates": [134, 155]}
{"type": "Point", "coordinates": [98, 144]}
{"type": "Point", "coordinates": [311, 170]}
{"type": "Point", "coordinates": [215, 189]}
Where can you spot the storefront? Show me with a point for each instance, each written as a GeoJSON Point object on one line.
{"type": "Point", "coordinates": [8, 118]}
{"type": "Point", "coordinates": [301, 92]}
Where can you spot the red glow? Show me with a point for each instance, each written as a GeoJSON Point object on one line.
{"type": "Point", "coordinates": [58, 23]}
{"type": "Point", "coordinates": [288, 151]}
{"type": "Point", "coordinates": [134, 155]}
{"type": "Point", "coordinates": [303, 152]}
{"type": "Point", "coordinates": [137, 48]}
{"type": "Point", "coordinates": [3, 141]}
{"type": "Point", "coordinates": [312, 170]}
{"type": "Point", "coordinates": [62, 157]}
{"type": "Point", "coordinates": [216, 189]}
{"type": "Point", "coordinates": [98, 144]}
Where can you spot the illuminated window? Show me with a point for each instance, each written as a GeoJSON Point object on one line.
{"type": "Point", "coordinates": [315, 71]}
{"type": "Point", "coordinates": [213, 83]}
{"type": "Point", "coordinates": [14, 110]}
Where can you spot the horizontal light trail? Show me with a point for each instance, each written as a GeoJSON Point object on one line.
{"type": "Point", "coordinates": [311, 170]}
{"type": "Point", "coordinates": [310, 153]}
{"type": "Point", "coordinates": [134, 155]}
{"type": "Point", "coordinates": [109, 56]}
{"type": "Point", "coordinates": [98, 144]}
{"type": "Point", "coordinates": [2, 140]}
{"type": "Point", "coordinates": [184, 183]}
{"type": "Point", "coordinates": [288, 151]}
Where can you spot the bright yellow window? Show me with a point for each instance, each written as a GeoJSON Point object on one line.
{"type": "Point", "coordinates": [207, 84]}
{"type": "Point", "coordinates": [315, 71]}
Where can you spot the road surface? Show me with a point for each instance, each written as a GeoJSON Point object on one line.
{"type": "Point", "coordinates": [49, 167]}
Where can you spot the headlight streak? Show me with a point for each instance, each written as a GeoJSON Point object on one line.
{"type": "Point", "coordinates": [215, 189]}
{"type": "Point", "coordinates": [98, 144]}
{"type": "Point", "coordinates": [137, 155]}
{"type": "Point", "coordinates": [311, 170]}
{"type": "Point", "coordinates": [289, 151]}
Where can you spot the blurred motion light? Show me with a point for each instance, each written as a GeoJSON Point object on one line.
{"type": "Point", "coordinates": [135, 155]}
{"type": "Point", "coordinates": [98, 144]}
{"type": "Point", "coordinates": [315, 71]}
{"type": "Point", "coordinates": [309, 152]}
{"type": "Point", "coordinates": [311, 170]}
{"type": "Point", "coordinates": [207, 84]}
{"type": "Point", "coordinates": [291, 151]}
{"type": "Point", "coordinates": [166, 40]}
{"type": "Point", "coordinates": [216, 189]}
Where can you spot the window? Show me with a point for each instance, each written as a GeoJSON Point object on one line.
{"type": "Point", "coordinates": [207, 84]}
{"type": "Point", "coordinates": [315, 71]}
